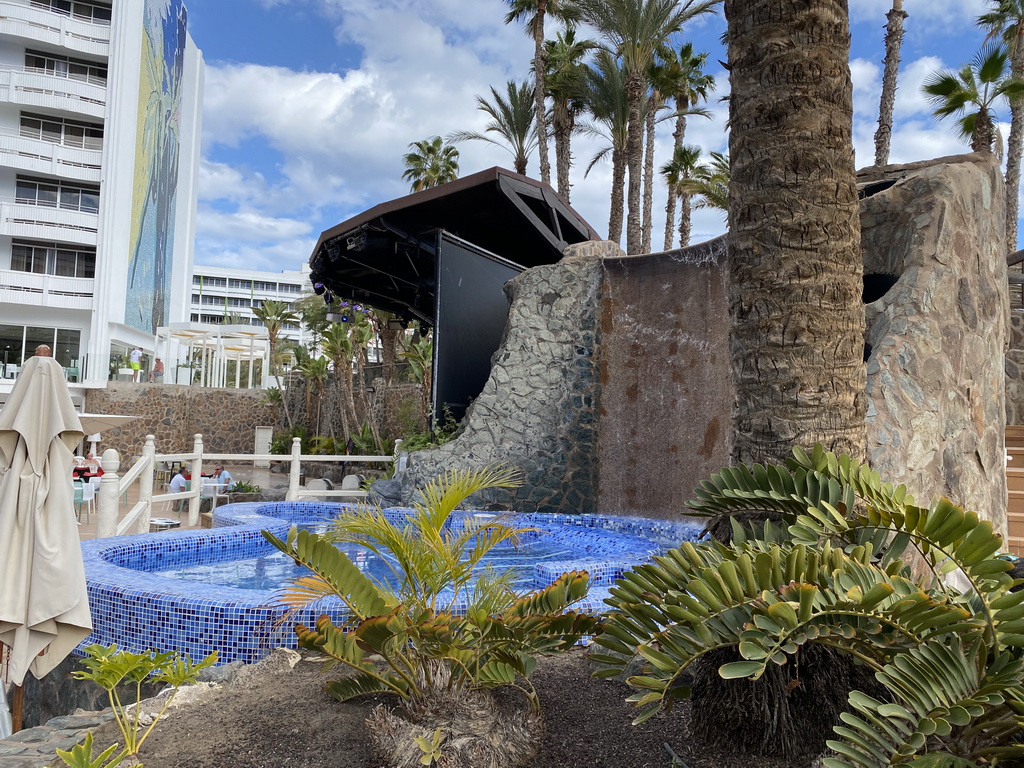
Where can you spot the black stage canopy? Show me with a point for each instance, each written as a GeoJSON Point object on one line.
{"type": "Point", "coordinates": [387, 256]}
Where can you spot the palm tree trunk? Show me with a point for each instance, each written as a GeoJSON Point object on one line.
{"type": "Point", "coordinates": [794, 233]}
{"type": "Point", "coordinates": [635, 86]}
{"type": "Point", "coordinates": [562, 128]}
{"type": "Point", "coordinates": [645, 241]}
{"type": "Point", "coordinates": [539, 68]}
{"type": "Point", "coordinates": [984, 132]}
{"type": "Point", "coordinates": [670, 218]}
{"type": "Point", "coordinates": [346, 428]}
{"type": "Point", "coordinates": [618, 177]}
{"type": "Point", "coordinates": [670, 207]}
{"type": "Point", "coordinates": [388, 351]}
{"type": "Point", "coordinates": [893, 43]}
{"type": "Point", "coordinates": [685, 209]}
{"type": "Point", "coordinates": [1014, 146]}
{"type": "Point", "coordinates": [797, 318]}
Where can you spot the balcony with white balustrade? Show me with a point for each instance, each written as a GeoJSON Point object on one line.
{"type": "Point", "coordinates": [41, 222]}
{"type": "Point", "coordinates": [46, 290]}
{"type": "Point", "coordinates": [40, 156]}
{"type": "Point", "coordinates": [34, 88]}
{"type": "Point", "coordinates": [45, 25]}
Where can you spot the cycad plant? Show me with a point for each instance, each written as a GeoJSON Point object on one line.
{"type": "Point", "coordinates": [831, 574]}
{"type": "Point", "coordinates": [441, 664]}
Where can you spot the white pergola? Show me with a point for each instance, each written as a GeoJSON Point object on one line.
{"type": "Point", "coordinates": [187, 347]}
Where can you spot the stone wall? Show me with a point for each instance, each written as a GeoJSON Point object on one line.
{"type": "Point", "coordinates": [936, 412]}
{"type": "Point", "coordinates": [655, 327]}
{"type": "Point", "coordinates": [1015, 370]}
{"type": "Point", "coordinates": [226, 418]}
{"type": "Point", "coordinates": [537, 410]}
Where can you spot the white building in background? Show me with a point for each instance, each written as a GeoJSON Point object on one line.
{"type": "Point", "coordinates": [221, 295]}
{"type": "Point", "coordinates": [100, 109]}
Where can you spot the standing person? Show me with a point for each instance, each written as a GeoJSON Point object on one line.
{"type": "Point", "coordinates": [136, 363]}
{"type": "Point", "coordinates": [157, 374]}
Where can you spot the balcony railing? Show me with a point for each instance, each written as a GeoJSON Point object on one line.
{"type": "Point", "coordinates": [41, 89]}
{"type": "Point", "coordinates": [46, 25]}
{"type": "Point", "coordinates": [44, 222]}
{"type": "Point", "coordinates": [40, 156]}
{"type": "Point", "coordinates": [46, 290]}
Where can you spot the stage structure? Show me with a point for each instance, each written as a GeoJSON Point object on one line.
{"type": "Point", "coordinates": [442, 257]}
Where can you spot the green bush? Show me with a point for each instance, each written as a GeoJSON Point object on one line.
{"type": "Point", "coordinates": [831, 573]}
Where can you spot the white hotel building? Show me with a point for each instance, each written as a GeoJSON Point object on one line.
{"type": "Point", "coordinates": [100, 107]}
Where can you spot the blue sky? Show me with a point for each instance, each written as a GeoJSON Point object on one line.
{"type": "Point", "coordinates": [309, 106]}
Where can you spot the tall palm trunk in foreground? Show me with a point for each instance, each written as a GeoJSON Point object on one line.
{"type": "Point", "coordinates": [794, 232]}
{"type": "Point", "coordinates": [797, 320]}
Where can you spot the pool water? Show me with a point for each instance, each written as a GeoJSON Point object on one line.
{"type": "Point", "coordinates": [275, 570]}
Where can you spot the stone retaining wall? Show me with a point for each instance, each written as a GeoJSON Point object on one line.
{"type": "Point", "coordinates": [226, 418]}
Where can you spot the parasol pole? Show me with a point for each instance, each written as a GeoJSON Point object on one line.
{"type": "Point", "coordinates": [17, 701]}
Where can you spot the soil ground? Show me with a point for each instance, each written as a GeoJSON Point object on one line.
{"type": "Point", "coordinates": [274, 715]}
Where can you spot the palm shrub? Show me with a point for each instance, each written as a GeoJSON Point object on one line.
{"type": "Point", "coordinates": [832, 573]}
{"type": "Point", "coordinates": [406, 639]}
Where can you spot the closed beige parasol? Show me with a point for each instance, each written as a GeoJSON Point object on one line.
{"type": "Point", "coordinates": [44, 609]}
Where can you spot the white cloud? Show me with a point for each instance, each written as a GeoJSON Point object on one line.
{"type": "Point", "coordinates": [911, 100]}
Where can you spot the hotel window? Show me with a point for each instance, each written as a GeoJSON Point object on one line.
{"type": "Point", "coordinates": [71, 133]}
{"type": "Point", "coordinates": [62, 66]}
{"type": "Point", "coordinates": [245, 285]}
{"type": "Point", "coordinates": [239, 303]}
{"type": "Point", "coordinates": [51, 259]}
{"type": "Point", "coordinates": [219, 282]}
{"type": "Point", "coordinates": [265, 286]}
{"type": "Point", "coordinates": [214, 300]}
{"type": "Point", "coordinates": [57, 194]}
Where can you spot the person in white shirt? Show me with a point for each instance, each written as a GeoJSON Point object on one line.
{"type": "Point", "coordinates": [136, 363]}
{"type": "Point", "coordinates": [178, 485]}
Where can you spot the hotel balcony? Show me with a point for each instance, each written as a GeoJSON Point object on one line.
{"type": "Point", "coordinates": [44, 25]}
{"type": "Point", "coordinates": [34, 88]}
{"type": "Point", "coordinates": [50, 158]}
{"type": "Point", "coordinates": [40, 222]}
{"type": "Point", "coordinates": [46, 290]}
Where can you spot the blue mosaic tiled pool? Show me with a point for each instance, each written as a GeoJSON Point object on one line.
{"type": "Point", "coordinates": [137, 607]}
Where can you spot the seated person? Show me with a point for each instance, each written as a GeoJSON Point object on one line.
{"type": "Point", "coordinates": [222, 478]}
{"type": "Point", "coordinates": [177, 485]}
{"type": "Point", "coordinates": [92, 464]}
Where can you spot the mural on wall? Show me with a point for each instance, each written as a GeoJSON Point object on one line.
{"type": "Point", "coordinates": [156, 165]}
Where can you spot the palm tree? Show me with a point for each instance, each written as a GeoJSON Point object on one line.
{"type": "Point", "coordinates": [709, 184]}
{"type": "Point", "coordinates": [606, 99]}
{"type": "Point", "coordinates": [534, 11]}
{"type": "Point", "coordinates": [511, 119]}
{"type": "Point", "coordinates": [683, 75]}
{"type": "Point", "coordinates": [680, 168]}
{"type": "Point", "coordinates": [1007, 22]}
{"type": "Point", "coordinates": [635, 29]}
{"type": "Point", "coordinates": [430, 163]}
{"type": "Point", "coordinates": [314, 373]}
{"type": "Point", "coordinates": [973, 92]}
{"type": "Point", "coordinates": [795, 302]}
{"type": "Point", "coordinates": [275, 315]}
{"type": "Point", "coordinates": [678, 77]}
{"type": "Point", "coordinates": [338, 347]}
{"type": "Point", "coordinates": [893, 43]}
{"type": "Point", "coordinates": [566, 85]}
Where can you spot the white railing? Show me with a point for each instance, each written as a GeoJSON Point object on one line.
{"type": "Point", "coordinates": [113, 487]}
{"type": "Point", "coordinates": [41, 221]}
{"type": "Point", "coordinates": [46, 290]}
{"type": "Point", "coordinates": [54, 91]}
{"type": "Point", "coordinates": [43, 24]}
{"type": "Point", "coordinates": [35, 154]}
